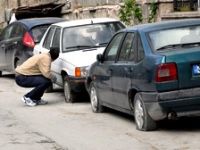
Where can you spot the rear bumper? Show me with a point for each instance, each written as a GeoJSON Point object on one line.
{"type": "Point", "coordinates": [181, 102]}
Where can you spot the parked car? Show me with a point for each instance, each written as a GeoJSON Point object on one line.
{"type": "Point", "coordinates": [151, 71]}
{"type": "Point", "coordinates": [79, 42]}
{"type": "Point", "coordinates": [18, 39]}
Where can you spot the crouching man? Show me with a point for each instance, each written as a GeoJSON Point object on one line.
{"type": "Point", "coordinates": [35, 72]}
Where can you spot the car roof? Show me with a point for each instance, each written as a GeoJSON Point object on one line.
{"type": "Point", "coordinates": [84, 21]}
{"type": "Point", "coordinates": [30, 23]}
{"type": "Point", "coordinates": [165, 25]}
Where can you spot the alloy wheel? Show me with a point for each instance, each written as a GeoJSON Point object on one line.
{"type": "Point", "coordinates": [93, 99]}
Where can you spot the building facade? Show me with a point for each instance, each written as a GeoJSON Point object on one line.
{"type": "Point", "coordinates": [77, 9]}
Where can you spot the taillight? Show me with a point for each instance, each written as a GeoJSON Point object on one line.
{"type": "Point", "coordinates": [166, 72]}
{"type": "Point", "coordinates": [28, 40]}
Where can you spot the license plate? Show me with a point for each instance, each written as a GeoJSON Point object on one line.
{"type": "Point", "coordinates": [196, 69]}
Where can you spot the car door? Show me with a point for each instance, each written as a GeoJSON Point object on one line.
{"type": "Point", "coordinates": [4, 42]}
{"type": "Point", "coordinates": [104, 72]}
{"type": "Point", "coordinates": [122, 71]}
{"type": "Point", "coordinates": [15, 48]}
{"type": "Point", "coordinates": [57, 64]}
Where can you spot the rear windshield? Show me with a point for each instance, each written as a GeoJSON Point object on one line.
{"type": "Point", "coordinates": [87, 36]}
{"type": "Point", "coordinates": [163, 39]}
{"type": "Point", "coordinates": [38, 32]}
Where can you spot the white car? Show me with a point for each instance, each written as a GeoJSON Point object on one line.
{"type": "Point", "coordinates": [79, 42]}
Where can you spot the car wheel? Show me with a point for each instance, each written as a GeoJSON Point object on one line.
{"type": "Point", "coordinates": [95, 103]}
{"type": "Point", "coordinates": [0, 73]}
{"type": "Point", "coordinates": [68, 93]}
{"type": "Point", "coordinates": [143, 121]}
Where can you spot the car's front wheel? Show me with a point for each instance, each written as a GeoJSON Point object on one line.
{"type": "Point", "coordinates": [68, 93]}
{"type": "Point", "coordinates": [95, 103]}
{"type": "Point", "coordinates": [143, 121]}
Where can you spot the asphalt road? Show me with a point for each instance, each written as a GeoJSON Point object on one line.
{"type": "Point", "coordinates": [62, 126]}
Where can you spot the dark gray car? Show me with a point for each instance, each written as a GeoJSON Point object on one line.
{"type": "Point", "coordinates": [18, 39]}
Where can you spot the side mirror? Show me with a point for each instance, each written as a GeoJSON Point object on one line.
{"type": "Point", "coordinates": [100, 58]}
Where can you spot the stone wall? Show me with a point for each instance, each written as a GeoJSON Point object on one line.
{"type": "Point", "coordinates": [87, 8]}
{"type": "Point", "coordinates": [79, 8]}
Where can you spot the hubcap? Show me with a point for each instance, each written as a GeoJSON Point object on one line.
{"type": "Point", "coordinates": [93, 99]}
{"type": "Point", "coordinates": [139, 114]}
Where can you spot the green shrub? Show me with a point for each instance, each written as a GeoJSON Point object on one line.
{"type": "Point", "coordinates": [131, 12]}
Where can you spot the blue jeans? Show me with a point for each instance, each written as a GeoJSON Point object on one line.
{"type": "Point", "coordinates": [39, 82]}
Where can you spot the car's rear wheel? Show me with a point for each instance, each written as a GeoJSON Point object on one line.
{"type": "Point", "coordinates": [95, 103]}
{"type": "Point", "coordinates": [143, 121]}
{"type": "Point", "coordinates": [68, 93]}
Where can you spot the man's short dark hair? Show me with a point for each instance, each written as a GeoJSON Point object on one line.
{"type": "Point", "coordinates": [54, 52]}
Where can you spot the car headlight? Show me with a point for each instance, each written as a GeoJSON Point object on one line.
{"type": "Point", "coordinates": [81, 71]}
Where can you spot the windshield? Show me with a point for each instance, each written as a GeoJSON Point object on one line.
{"type": "Point", "coordinates": [87, 36]}
{"type": "Point", "coordinates": [171, 38]}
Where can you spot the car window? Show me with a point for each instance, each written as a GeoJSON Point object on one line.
{"type": "Point", "coordinates": [128, 47]}
{"type": "Point", "coordinates": [92, 35]}
{"type": "Point", "coordinates": [48, 38]}
{"type": "Point", "coordinates": [111, 50]}
{"type": "Point", "coordinates": [174, 36]}
{"type": "Point", "coordinates": [140, 50]}
{"type": "Point", "coordinates": [7, 32]}
{"type": "Point", "coordinates": [56, 38]}
{"type": "Point", "coordinates": [17, 31]}
{"type": "Point", "coordinates": [38, 32]}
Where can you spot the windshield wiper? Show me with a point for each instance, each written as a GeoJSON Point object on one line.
{"type": "Point", "coordinates": [191, 44]}
{"type": "Point", "coordinates": [79, 46]}
{"type": "Point", "coordinates": [171, 46]}
{"type": "Point", "coordinates": [103, 44]}
{"type": "Point", "coordinates": [178, 45]}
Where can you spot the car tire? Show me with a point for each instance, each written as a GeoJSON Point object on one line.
{"type": "Point", "coordinates": [0, 73]}
{"type": "Point", "coordinates": [142, 119]}
{"type": "Point", "coordinates": [68, 93]}
{"type": "Point", "coordinates": [94, 100]}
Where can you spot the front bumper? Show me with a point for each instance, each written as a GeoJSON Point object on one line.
{"type": "Point", "coordinates": [76, 84]}
{"type": "Point", "coordinates": [181, 102]}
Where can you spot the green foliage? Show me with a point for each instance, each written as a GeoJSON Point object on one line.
{"type": "Point", "coordinates": [153, 12]}
{"type": "Point", "coordinates": [131, 13]}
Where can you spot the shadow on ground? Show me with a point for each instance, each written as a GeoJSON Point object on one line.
{"type": "Point", "coordinates": [180, 124]}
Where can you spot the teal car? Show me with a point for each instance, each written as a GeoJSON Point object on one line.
{"type": "Point", "coordinates": [151, 71]}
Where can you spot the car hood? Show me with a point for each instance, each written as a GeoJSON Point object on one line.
{"type": "Point", "coordinates": [82, 57]}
